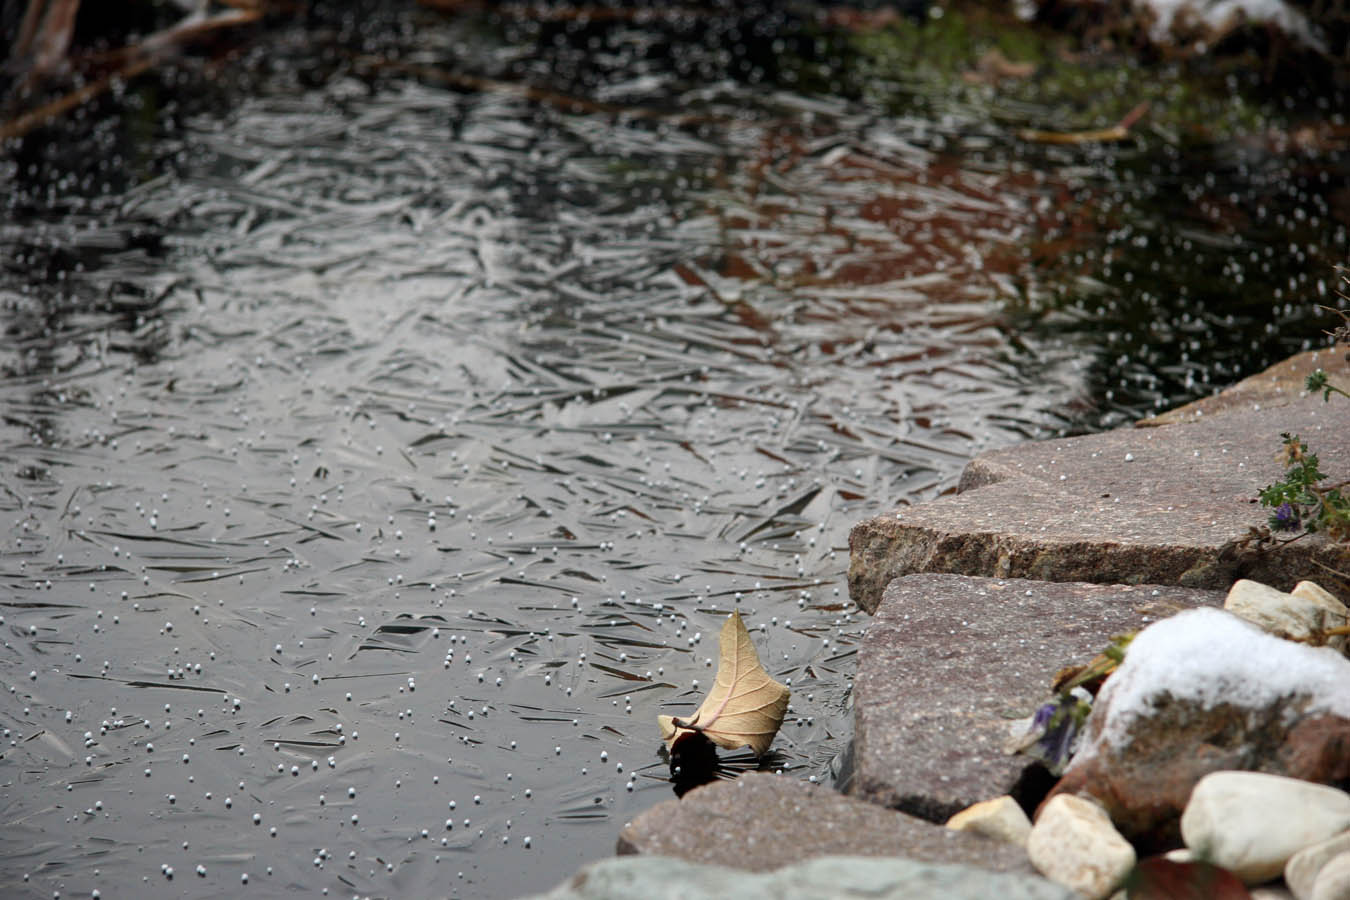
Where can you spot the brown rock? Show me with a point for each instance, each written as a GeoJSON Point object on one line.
{"type": "Point", "coordinates": [950, 664]}
{"type": "Point", "coordinates": [1319, 747]}
{"type": "Point", "coordinates": [1206, 692]}
{"type": "Point", "coordinates": [1161, 879]}
{"type": "Point", "coordinates": [1166, 505]}
{"type": "Point", "coordinates": [760, 822]}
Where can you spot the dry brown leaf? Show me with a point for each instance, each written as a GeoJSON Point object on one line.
{"type": "Point", "coordinates": [745, 706]}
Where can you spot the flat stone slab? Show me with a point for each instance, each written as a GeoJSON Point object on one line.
{"type": "Point", "coordinates": [1166, 505]}
{"type": "Point", "coordinates": [823, 878]}
{"type": "Point", "coordinates": [760, 822]}
{"type": "Point", "coordinates": [1278, 385]}
{"type": "Point", "coordinates": [950, 663]}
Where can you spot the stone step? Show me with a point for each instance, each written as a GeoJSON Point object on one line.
{"type": "Point", "coordinates": [760, 822]}
{"type": "Point", "coordinates": [820, 878]}
{"type": "Point", "coordinates": [1165, 505]}
{"type": "Point", "coordinates": [1279, 384]}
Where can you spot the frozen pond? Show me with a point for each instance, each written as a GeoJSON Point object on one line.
{"type": "Point", "coordinates": [384, 454]}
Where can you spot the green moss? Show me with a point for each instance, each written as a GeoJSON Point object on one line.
{"type": "Point", "coordinates": [915, 67]}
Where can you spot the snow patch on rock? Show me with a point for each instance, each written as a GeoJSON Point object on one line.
{"type": "Point", "coordinates": [1211, 657]}
{"type": "Point", "coordinates": [1220, 15]}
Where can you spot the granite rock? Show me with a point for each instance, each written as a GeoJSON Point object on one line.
{"type": "Point", "coordinates": [1168, 505]}
{"type": "Point", "coordinates": [1278, 385]}
{"type": "Point", "coordinates": [823, 878]}
{"type": "Point", "coordinates": [760, 822]}
{"type": "Point", "coordinates": [950, 665]}
{"type": "Point", "coordinates": [1202, 692]}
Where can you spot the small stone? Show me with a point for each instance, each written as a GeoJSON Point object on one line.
{"type": "Point", "coordinates": [1252, 823]}
{"type": "Point", "coordinates": [1336, 610]}
{"type": "Point", "coordinates": [1333, 882]}
{"type": "Point", "coordinates": [1276, 891]}
{"type": "Point", "coordinates": [1304, 616]}
{"type": "Point", "coordinates": [1300, 872]}
{"type": "Point", "coordinates": [1001, 819]}
{"type": "Point", "coordinates": [1075, 844]}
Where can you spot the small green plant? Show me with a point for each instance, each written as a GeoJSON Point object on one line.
{"type": "Point", "coordinates": [1301, 502]}
{"type": "Point", "coordinates": [1317, 381]}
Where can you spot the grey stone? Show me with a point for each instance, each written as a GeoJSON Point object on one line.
{"type": "Point", "coordinates": [1278, 385]}
{"type": "Point", "coordinates": [822, 878]}
{"type": "Point", "coordinates": [760, 822]}
{"type": "Point", "coordinates": [950, 662]}
{"type": "Point", "coordinates": [1167, 505]}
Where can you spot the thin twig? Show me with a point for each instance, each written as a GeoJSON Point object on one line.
{"type": "Point", "coordinates": [48, 112]}
{"type": "Point", "coordinates": [137, 59]}
{"type": "Point", "coordinates": [1117, 132]}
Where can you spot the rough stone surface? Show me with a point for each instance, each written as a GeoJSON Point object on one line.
{"type": "Point", "coordinates": [1278, 385]}
{"type": "Point", "coordinates": [1073, 843]}
{"type": "Point", "coordinates": [1202, 692]}
{"type": "Point", "coordinates": [1300, 873]}
{"type": "Point", "coordinates": [761, 822]}
{"type": "Point", "coordinates": [1252, 823]}
{"type": "Point", "coordinates": [1001, 819]}
{"type": "Point", "coordinates": [950, 664]}
{"type": "Point", "coordinates": [1164, 505]}
{"type": "Point", "coordinates": [824, 878]}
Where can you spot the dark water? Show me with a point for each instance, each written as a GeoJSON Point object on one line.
{"type": "Point", "coordinates": [381, 452]}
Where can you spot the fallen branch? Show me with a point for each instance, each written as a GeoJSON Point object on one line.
{"type": "Point", "coordinates": [48, 112]}
{"type": "Point", "coordinates": [130, 61]}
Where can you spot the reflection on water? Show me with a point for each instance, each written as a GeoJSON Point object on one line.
{"type": "Point", "coordinates": [375, 475]}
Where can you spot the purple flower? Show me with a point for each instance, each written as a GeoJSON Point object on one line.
{"type": "Point", "coordinates": [1055, 728]}
{"type": "Point", "coordinates": [1044, 713]}
{"type": "Point", "coordinates": [1285, 518]}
